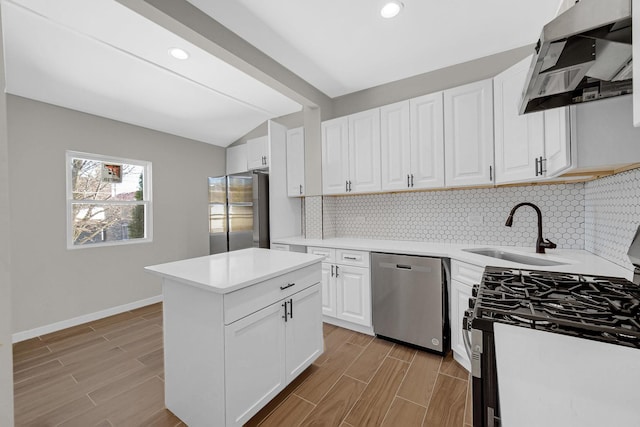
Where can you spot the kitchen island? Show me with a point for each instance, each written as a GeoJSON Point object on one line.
{"type": "Point", "coordinates": [238, 327]}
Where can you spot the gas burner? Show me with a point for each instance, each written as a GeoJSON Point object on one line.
{"type": "Point", "coordinates": [593, 307]}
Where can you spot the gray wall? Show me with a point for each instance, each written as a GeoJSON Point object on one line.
{"type": "Point", "coordinates": [6, 354]}
{"type": "Point", "coordinates": [52, 283]}
{"type": "Point", "coordinates": [434, 81]}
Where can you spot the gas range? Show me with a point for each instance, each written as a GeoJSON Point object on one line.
{"type": "Point", "coordinates": [592, 307]}
{"type": "Point", "coordinates": [596, 308]}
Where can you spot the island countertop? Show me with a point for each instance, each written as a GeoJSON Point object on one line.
{"type": "Point", "coordinates": [231, 271]}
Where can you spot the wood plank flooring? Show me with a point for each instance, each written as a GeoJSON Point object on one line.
{"type": "Point", "coordinates": [109, 373]}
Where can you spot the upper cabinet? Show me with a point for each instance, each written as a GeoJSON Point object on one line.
{"type": "Point", "coordinates": [258, 153]}
{"type": "Point", "coordinates": [237, 159]}
{"type": "Point", "coordinates": [351, 153]}
{"type": "Point", "coordinates": [531, 146]}
{"type": "Point", "coordinates": [468, 134]}
{"type": "Point", "coordinates": [519, 139]}
{"type": "Point", "coordinates": [412, 143]}
{"type": "Point", "coordinates": [295, 162]}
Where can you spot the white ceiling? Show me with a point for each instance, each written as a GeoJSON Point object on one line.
{"type": "Point", "coordinates": [101, 58]}
{"type": "Point", "coordinates": [344, 46]}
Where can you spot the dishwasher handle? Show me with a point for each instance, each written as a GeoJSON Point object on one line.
{"type": "Point", "coordinates": [403, 267]}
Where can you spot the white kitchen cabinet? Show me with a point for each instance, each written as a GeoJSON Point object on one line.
{"type": "Point", "coordinates": [258, 153]}
{"type": "Point", "coordinates": [468, 134]}
{"type": "Point", "coordinates": [351, 153]}
{"type": "Point", "coordinates": [412, 143]}
{"type": "Point", "coordinates": [335, 156]}
{"type": "Point", "coordinates": [557, 142]}
{"type": "Point", "coordinates": [427, 141]}
{"type": "Point", "coordinates": [295, 162]}
{"type": "Point", "coordinates": [353, 289]}
{"type": "Point", "coordinates": [532, 146]}
{"type": "Point", "coordinates": [346, 287]}
{"type": "Point", "coordinates": [463, 277]}
{"type": "Point", "coordinates": [242, 346]}
{"type": "Point", "coordinates": [247, 384]}
{"type": "Point", "coordinates": [519, 139]}
{"type": "Point", "coordinates": [237, 159]}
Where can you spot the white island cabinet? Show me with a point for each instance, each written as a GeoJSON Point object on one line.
{"type": "Point", "coordinates": [238, 327]}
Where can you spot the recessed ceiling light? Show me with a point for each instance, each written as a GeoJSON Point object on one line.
{"type": "Point", "coordinates": [178, 53]}
{"type": "Point", "coordinates": [391, 9]}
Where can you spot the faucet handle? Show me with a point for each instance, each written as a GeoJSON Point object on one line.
{"type": "Point", "coordinates": [548, 244]}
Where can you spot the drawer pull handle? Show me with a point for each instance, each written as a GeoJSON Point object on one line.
{"type": "Point", "coordinates": [291, 308]}
{"type": "Point", "coordinates": [288, 285]}
{"type": "Point", "coordinates": [337, 271]}
{"type": "Point", "coordinates": [285, 311]}
{"type": "Point", "coordinates": [352, 258]}
{"type": "Point", "coordinates": [332, 270]}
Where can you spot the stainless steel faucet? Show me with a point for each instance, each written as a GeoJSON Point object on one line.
{"type": "Point", "coordinates": [541, 244]}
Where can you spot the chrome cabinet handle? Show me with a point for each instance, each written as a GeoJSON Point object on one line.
{"type": "Point", "coordinates": [537, 166]}
{"type": "Point", "coordinates": [352, 258]}
{"type": "Point", "coordinates": [288, 285]}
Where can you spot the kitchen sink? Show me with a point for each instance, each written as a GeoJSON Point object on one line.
{"type": "Point", "coordinates": [510, 256]}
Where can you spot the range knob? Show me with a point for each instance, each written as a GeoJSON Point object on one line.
{"type": "Point", "coordinates": [472, 302]}
{"type": "Point", "coordinates": [475, 290]}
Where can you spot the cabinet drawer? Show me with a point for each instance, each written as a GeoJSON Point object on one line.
{"type": "Point", "coordinates": [245, 301]}
{"type": "Point", "coordinates": [328, 253]}
{"type": "Point", "coordinates": [356, 258]}
{"type": "Point", "coordinates": [466, 273]}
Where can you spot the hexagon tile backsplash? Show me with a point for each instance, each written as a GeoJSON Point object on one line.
{"type": "Point", "coordinates": [612, 215]}
{"type": "Point", "coordinates": [474, 216]}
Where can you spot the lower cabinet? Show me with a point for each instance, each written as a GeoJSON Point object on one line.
{"type": "Point", "coordinates": [460, 294]}
{"type": "Point", "coordinates": [346, 285]}
{"type": "Point", "coordinates": [463, 277]}
{"type": "Point", "coordinates": [284, 335]}
{"type": "Point", "coordinates": [227, 355]}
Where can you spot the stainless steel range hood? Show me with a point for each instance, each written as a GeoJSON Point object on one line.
{"type": "Point", "coordinates": [583, 55]}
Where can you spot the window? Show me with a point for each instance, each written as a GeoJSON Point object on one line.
{"type": "Point", "coordinates": [108, 200]}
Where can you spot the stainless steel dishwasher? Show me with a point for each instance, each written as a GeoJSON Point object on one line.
{"type": "Point", "coordinates": [410, 300]}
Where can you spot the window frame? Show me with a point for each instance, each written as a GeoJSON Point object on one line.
{"type": "Point", "coordinates": [146, 198]}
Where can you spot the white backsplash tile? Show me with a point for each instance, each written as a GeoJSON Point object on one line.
{"type": "Point", "coordinates": [474, 216]}
{"type": "Point", "coordinates": [313, 217]}
{"type": "Point", "coordinates": [612, 215]}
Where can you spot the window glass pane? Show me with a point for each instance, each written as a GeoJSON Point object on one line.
{"type": "Point", "coordinates": [97, 180]}
{"type": "Point", "coordinates": [93, 223]}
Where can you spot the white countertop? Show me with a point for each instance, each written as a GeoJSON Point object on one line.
{"type": "Point", "coordinates": [575, 261]}
{"type": "Point", "coordinates": [230, 271]}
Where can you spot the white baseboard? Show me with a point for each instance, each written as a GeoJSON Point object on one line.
{"type": "Point", "coordinates": [47, 329]}
{"type": "Point", "coordinates": [368, 330]}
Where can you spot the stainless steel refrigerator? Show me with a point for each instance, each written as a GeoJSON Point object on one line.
{"type": "Point", "coordinates": [238, 212]}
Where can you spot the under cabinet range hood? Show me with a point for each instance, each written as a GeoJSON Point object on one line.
{"type": "Point", "coordinates": [583, 55]}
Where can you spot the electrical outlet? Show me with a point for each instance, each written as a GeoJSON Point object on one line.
{"type": "Point", "coordinates": [475, 220]}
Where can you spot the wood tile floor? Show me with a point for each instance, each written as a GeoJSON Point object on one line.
{"type": "Point", "coordinates": [109, 373]}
